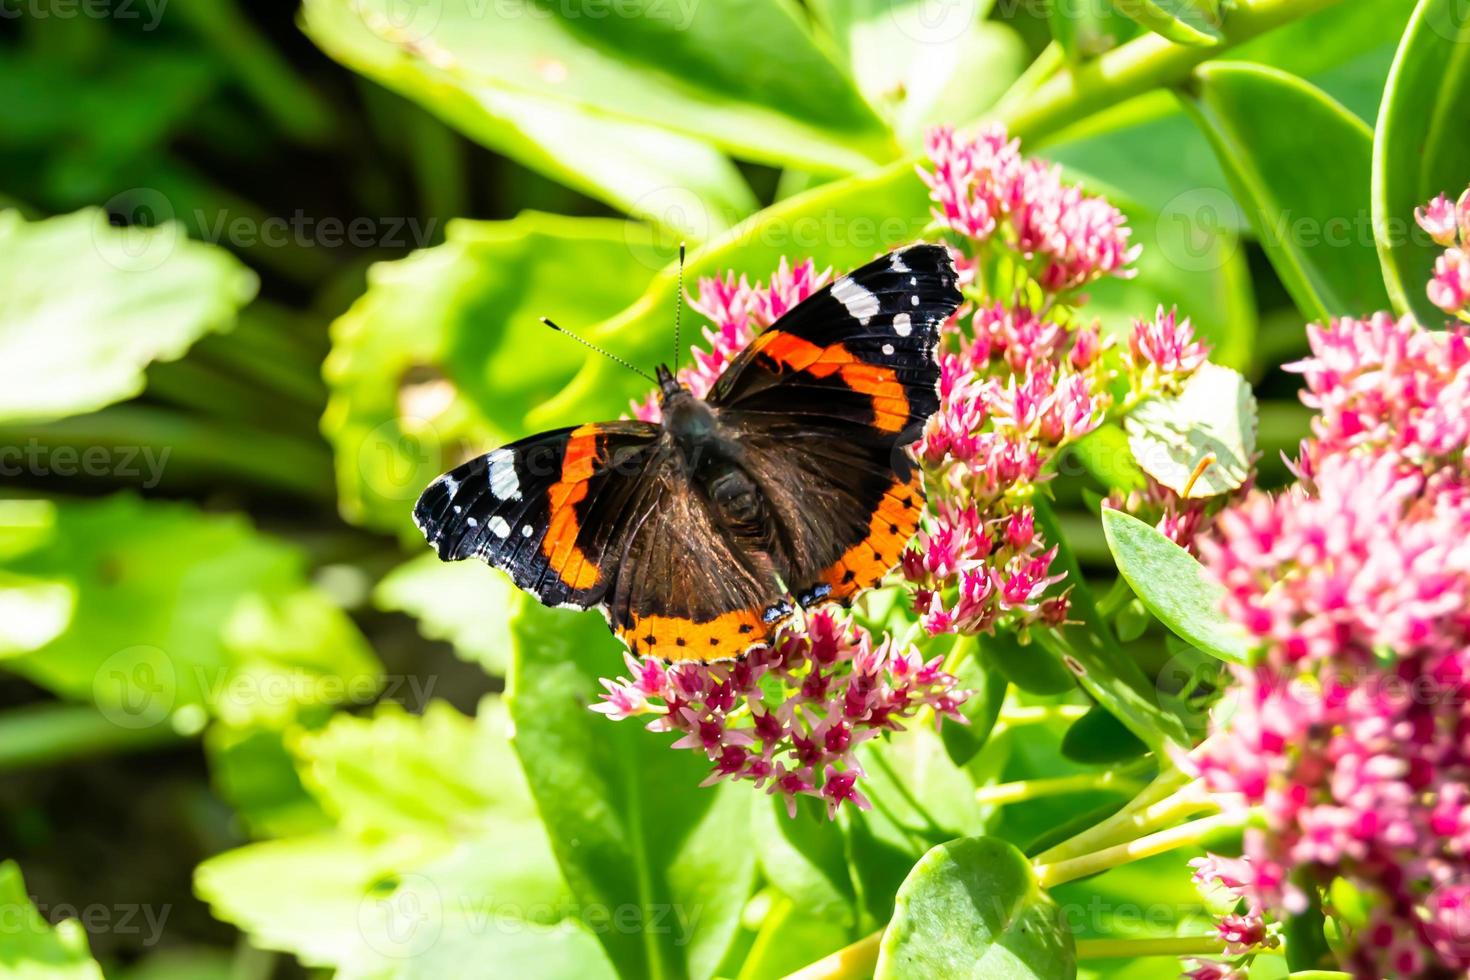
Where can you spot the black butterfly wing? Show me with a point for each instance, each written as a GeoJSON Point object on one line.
{"type": "Point", "coordinates": [603, 516]}
{"type": "Point", "coordinates": [859, 351]}
{"type": "Point", "coordinates": [545, 509]}
{"type": "Point", "coordinates": [825, 404]}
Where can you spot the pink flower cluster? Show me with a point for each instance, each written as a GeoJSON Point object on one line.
{"type": "Point", "coordinates": [789, 717]}
{"type": "Point", "coordinates": [1022, 377]}
{"type": "Point", "coordinates": [1448, 223]}
{"type": "Point", "coordinates": [1352, 733]}
{"type": "Point", "coordinates": [982, 186]}
{"type": "Point", "coordinates": [737, 311]}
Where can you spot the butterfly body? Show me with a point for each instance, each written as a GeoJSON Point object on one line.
{"type": "Point", "coordinates": [790, 485]}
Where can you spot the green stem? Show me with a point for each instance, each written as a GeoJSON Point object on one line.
{"type": "Point", "coordinates": [45, 734]}
{"type": "Point", "coordinates": [848, 963]}
{"type": "Point", "coordinates": [1106, 949]}
{"type": "Point", "coordinates": [1145, 63]}
{"type": "Point", "coordinates": [1171, 797]}
{"type": "Point", "coordinates": [1017, 717]}
{"type": "Point", "coordinates": [1194, 832]}
{"type": "Point", "coordinates": [1126, 777]}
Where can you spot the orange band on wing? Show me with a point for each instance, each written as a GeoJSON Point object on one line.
{"type": "Point", "coordinates": [560, 543]}
{"type": "Point", "coordinates": [722, 638]}
{"type": "Point", "coordinates": [890, 401]}
{"type": "Point", "coordinates": [893, 524]}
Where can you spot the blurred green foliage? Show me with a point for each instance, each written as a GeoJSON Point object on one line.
{"type": "Point", "coordinates": [264, 272]}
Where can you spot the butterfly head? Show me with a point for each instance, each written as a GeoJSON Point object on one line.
{"type": "Point", "coordinates": [668, 386]}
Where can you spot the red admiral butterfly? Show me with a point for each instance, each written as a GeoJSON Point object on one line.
{"type": "Point", "coordinates": [790, 485]}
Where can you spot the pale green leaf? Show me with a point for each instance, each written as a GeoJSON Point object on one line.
{"type": "Point", "coordinates": [85, 308]}
{"type": "Point", "coordinates": [1213, 418]}
{"type": "Point", "coordinates": [33, 949]}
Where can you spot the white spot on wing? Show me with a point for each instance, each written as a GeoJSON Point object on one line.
{"type": "Point", "coordinates": [860, 302]}
{"type": "Point", "coordinates": [504, 483]}
{"type": "Point", "coordinates": [498, 527]}
{"type": "Point", "coordinates": [914, 300]}
{"type": "Point", "coordinates": [526, 531]}
{"type": "Point", "coordinates": [902, 325]}
{"type": "Point", "coordinates": [896, 263]}
{"type": "Point", "coordinates": [888, 350]}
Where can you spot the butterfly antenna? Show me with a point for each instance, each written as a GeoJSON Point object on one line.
{"type": "Point", "coordinates": [679, 310]}
{"type": "Point", "coordinates": [607, 354]}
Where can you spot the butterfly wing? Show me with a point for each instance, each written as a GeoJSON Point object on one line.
{"type": "Point", "coordinates": [825, 403]}
{"type": "Point", "coordinates": [545, 509]}
{"type": "Point", "coordinates": [602, 516]}
{"type": "Point", "coordinates": [684, 590]}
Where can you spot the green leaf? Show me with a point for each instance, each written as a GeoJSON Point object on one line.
{"type": "Point", "coordinates": [788, 940]}
{"type": "Point", "coordinates": [632, 829]}
{"type": "Point", "coordinates": [972, 908]}
{"type": "Point", "coordinates": [1213, 417]}
{"type": "Point", "coordinates": [1307, 199]}
{"type": "Point", "coordinates": [1029, 666]}
{"type": "Point", "coordinates": [431, 364]}
{"type": "Point", "coordinates": [806, 859]}
{"type": "Point", "coordinates": [85, 307]}
{"type": "Point", "coordinates": [451, 601]}
{"type": "Point", "coordinates": [252, 770]}
{"type": "Point", "coordinates": [180, 616]}
{"type": "Point", "coordinates": [1098, 738]}
{"type": "Point", "coordinates": [1193, 22]}
{"type": "Point", "coordinates": [1173, 585]}
{"type": "Point", "coordinates": [1420, 149]}
{"type": "Point", "coordinates": [979, 675]}
{"type": "Point", "coordinates": [1087, 28]}
{"type": "Point", "coordinates": [919, 66]}
{"type": "Point", "coordinates": [33, 949]}
{"type": "Point", "coordinates": [436, 851]}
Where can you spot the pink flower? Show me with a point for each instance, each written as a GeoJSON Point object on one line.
{"type": "Point", "coordinates": [1440, 219]}
{"type": "Point", "coordinates": [1213, 970]}
{"type": "Point", "coordinates": [1450, 288]}
{"type": "Point", "coordinates": [1166, 345]}
{"type": "Point", "coordinates": [788, 718]}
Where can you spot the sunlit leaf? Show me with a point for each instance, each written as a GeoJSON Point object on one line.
{"type": "Point", "coordinates": [1212, 420]}
{"type": "Point", "coordinates": [454, 601]}
{"type": "Point", "coordinates": [972, 908]}
{"type": "Point", "coordinates": [85, 307]}
{"type": "Point", "coordinates": [182, 616]}
{"type": "Point", "coordinates": [33, 949]}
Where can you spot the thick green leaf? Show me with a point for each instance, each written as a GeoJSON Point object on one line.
{"type": "Point", "coordinates": [437, 850]}
{"type": "Point", "coordinates": [33, 949]}
{"type": "Point", "coordinates": [1213, 418]}
{"type": "Point", "coordinates": [1029, 666]}
{"type": "Point", "coordinates": [252, 770]}
{"type": "Point", "coordinates": [972, 908]}
{"type": "Point", "coordinates": [987, 685]}
{"type": "Point", "coordinates": [1307, 199]}
{"type": "Point", "coordinates": [85, 307]}
{"type": "Point", "coordinates": [919, 65]}
{"type": "Point", "coordinates": [1086, 28]}
{"type": "Point", "coordinates": [180, 616]}
{"type": "Point", "coordinates": [1172, 584]}
{"type": "Point", "coordinates": [1098, 738]}
{"type": "Point", "coordinates": [631, 827]}
{"type": "Point", "coordinates": [1195, 22]}
{"type": "Point", "coordinates": [451, 601]}
{"type": "Point", "coordinates": [1420, 148]}
{"type": "Point", "coordinates": [434, 362]}
{"type": "Point", "coordinates": [674, 180]}
{"type": "Point", "coordinates": [806, 859]}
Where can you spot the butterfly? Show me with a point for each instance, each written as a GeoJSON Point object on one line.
{"type": "Point", "coordinates": [790, 485]}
